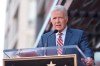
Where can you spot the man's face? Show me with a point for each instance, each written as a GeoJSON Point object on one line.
{"type": "Point", "coordinates": [59, 20]}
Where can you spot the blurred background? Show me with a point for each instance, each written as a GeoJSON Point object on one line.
{"type": "Point", "coordinates": [27, 20]}
{"type": "Point", "coordinates": [2, 27]}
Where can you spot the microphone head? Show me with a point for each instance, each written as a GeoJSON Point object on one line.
{"type": "Point", "coordinates": [55, 31]}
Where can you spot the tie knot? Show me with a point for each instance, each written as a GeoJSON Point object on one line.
{"type": "Point", "coordinates": [60, 34]}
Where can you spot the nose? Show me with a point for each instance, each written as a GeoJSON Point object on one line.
{"type": "Point", "coordinates": [57, 20]}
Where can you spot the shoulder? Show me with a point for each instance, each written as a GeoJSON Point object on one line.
{"type": "Point", "coordinates": [75, 30]}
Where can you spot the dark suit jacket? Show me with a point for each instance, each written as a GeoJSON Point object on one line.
{"type": "Point", "coordinates": [73, 37]}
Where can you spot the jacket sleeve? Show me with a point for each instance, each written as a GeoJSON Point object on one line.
{"type": "Point", "coordinates": [84, 46]}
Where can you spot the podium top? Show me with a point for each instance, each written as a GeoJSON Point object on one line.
{"type": "Point", "coordinates": [42, 51]}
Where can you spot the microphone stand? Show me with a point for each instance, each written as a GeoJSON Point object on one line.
{"type": "Point", "coordinates": [45, 46]}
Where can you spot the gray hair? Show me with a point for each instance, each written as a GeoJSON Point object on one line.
{"type": "Point", "coordinates": [60, 8]}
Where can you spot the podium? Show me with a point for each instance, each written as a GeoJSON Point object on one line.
{"type": "Point", "coordinates": [44, 56]}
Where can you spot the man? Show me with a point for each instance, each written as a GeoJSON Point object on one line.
{"type": "Point", "coordinates": [59, 19]}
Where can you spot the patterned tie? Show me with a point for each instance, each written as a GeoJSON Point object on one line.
{"type": "Point", "coordinates": [59, 44]}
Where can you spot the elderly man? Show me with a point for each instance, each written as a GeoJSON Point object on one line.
{"type": "Point", "coordinates": [65, 35]}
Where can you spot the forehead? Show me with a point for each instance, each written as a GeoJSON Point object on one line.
{"type": "Point", "coordinates": [57, 13]}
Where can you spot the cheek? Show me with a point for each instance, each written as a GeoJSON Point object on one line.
{"type": "Point", "coordinates": [53, 23]}
{"type": "Point", "coordinates": [64, 22]}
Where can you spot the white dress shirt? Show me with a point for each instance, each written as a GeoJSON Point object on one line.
{"type": "Point", "coordinates": [63, 35]}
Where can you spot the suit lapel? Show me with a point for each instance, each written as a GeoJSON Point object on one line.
{"type": "Point", "coordinates": [52, 38]}
{"type": "Point", "coordinates": [67, 37]}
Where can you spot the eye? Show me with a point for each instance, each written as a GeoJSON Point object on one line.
{"type": "Point", "coordinates": [54, 18]}
{"type": "Point", "coordinates": [60, 17]}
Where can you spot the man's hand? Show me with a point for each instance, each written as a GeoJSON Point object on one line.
{"type": "Point", "coordinates": [88, 61]}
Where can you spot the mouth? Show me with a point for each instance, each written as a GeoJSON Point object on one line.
{"type": "Point", "coordinates": [58, 25]}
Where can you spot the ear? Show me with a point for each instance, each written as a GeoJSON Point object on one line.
{"type": "Point", "coordinates": [50, 20]}
{"type": "Point", "coordinates": [66, 18]}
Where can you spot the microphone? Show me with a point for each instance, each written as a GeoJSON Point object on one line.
{"type": "Point", "coordinates": [55, 31]}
